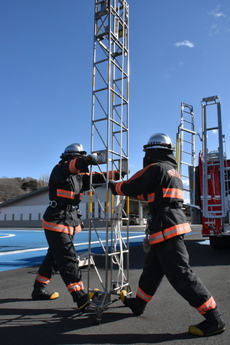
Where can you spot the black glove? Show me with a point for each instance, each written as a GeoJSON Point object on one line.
{"type": "Point", "coordinates": [111, 185]}
{"type": "Point", "coordinates": [118, 176]}
{"type": "Point", "coordinates": [90, 160]}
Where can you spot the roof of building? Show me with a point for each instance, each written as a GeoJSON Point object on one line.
{"type": "Point", "coordinates": [24, 196]}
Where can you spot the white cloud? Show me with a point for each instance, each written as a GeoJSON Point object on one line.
{"type": "Point", "coordinates": [185, 43]}
{"type": "Point", "coordinates": [216, 28]}
{"type": "Point", "coordinates": [216, 13]}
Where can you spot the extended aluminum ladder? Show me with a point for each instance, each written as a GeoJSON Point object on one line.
{"type": "Point", "coordinates": [185, 150]}
{"type": "Point", "coordinates": [211, 132]}
{"type": "Point", "coordinates": [109, 141]}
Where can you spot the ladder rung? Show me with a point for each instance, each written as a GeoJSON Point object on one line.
{"type": "Point", "coordinates": [188, 153]}
{"type": "Point", "coordinates": [188, 130]}
{"type": "Point", "coordinates": [190, 165]}
{"type": "Point", "coordinates": [213, 164]}
{"type": "Point", "coordinates": [211, 128]}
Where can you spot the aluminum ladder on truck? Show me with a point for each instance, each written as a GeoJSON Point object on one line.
{"type": "Point", "coordinates": [110, 142]}
{"type": "Point", "coordinates": [213, 210]}
{"type": "Point", "coordinates": [185, 151]}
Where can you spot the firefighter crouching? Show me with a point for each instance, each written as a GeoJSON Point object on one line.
{"type": "Point", "coordinates": [62, 219]}
{"type": "Point", "coordinates": [160, 185]}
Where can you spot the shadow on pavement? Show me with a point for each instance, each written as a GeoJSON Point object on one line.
{"type": "Point", "coordinates": [53, 326]}
{"type": "Point", "coordinates": [200, 255]}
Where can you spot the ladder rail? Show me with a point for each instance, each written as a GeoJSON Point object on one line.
{"type": "Point", "coordinates": [110, 138]}
{"type": "Point", "coordinates": [211, 159]}
{"type": "Point", "coordinates": [185, 153]}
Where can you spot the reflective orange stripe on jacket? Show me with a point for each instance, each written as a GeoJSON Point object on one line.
{"type": "Point", "coordinates": [72, 166]}
{"type": "Point", "coordinates": [42, 280]}
{"type": "Point", "coordinates": [167, 193]}
{"type": "Point", "coordinates": [141, 294]}
{"type": "Point", "coordinates": [168, 233]}
{"type": "Point", "coordinates": [75, 287]}
{"type": "Point", "coordinates": [141, 197]}
{"type": "Point", "coordinates": [118, 188]}
{"type": "Point", "coordinates": [151, 197]}
{"type": "Point", "coordinates": [65, 193]}
{"type": "Point", "coordinates": [208, 305]}
{"type": "Point", "coordinates": [113, 175]}
{"type": "Point", "coordinates": [60, 227]}
{"type": "Point", "coordinates": [173, 193]}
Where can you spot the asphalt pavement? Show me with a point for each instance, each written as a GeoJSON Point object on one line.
{"type": "Point", "coordinates": [165, 321]}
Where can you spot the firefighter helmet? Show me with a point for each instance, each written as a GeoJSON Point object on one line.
{"type": "Point", "coordinates": [159, 141]}
{"type": "Point", "coordinates": [75, 149]}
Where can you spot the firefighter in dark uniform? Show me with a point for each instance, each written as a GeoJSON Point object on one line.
{"type": "Point", "coordinates": [160, 185]}
{"type": "Point", "coordinates": [62, 219]}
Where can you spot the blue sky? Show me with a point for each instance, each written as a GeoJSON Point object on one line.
{"type": "Point", "coordinates": [179, 52]}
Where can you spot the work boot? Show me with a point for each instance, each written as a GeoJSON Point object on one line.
{"type": "Point", "coordinates": [93, 294]}
{"type": "Point", "coordinates": [208, 327]}
{"type": "Point", "coordinates": [135, 304]}
{"type": "Point", "coordinates": [83, 302]}
{"type": "Point", "coordinates": [42, 294]}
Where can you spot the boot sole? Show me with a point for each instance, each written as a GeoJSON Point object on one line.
{"type": "Point", "coordinates": [196, 331]}
{"type": "Point", "coordinates": [45, 297]}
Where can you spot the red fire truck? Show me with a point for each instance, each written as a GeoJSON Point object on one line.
{"type": "Point", "coordinates": [215, 209]}
{"type": "Point", "coordinates": [210, 181]}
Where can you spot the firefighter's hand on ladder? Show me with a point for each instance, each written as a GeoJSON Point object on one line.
{"type": "Point", "coordinates": [90, 160]}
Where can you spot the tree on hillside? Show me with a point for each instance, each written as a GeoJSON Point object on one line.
{"type": "Point", "coordinates": [11, 188]}
{"type": "Point", "coordinates": [44, 180]}
{"type": "Point", "coordinates": [30, 185]}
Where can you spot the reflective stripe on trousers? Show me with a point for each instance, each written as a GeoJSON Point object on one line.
{"type": "Point", "coordinates": [42, 280]}
{"type": "Point", "coordinates": [208, 305]}
{"type": "Point", "coordinates": [61, 228]}
{"type": "Point", "coordinates": [168, 233]}
{"type": "Point", "coordinates": [141, 294]}
{"type": "Point", "coordinates": [75, 287]}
